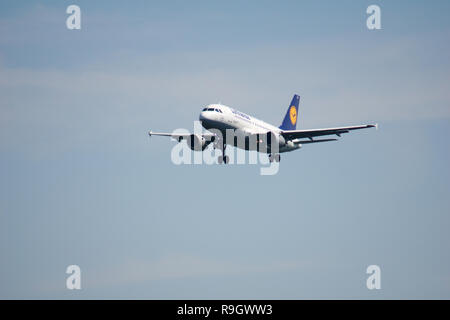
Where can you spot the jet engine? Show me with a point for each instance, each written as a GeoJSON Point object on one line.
{"type": "Point", "coordinates": [197, 142]}
{"type": "Point", "coordinates": [274, 138]}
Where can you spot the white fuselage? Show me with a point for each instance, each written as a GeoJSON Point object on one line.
{"type": "Point", "coordinates": [220, 117]}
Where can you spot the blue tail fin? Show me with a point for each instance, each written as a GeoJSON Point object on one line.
{"type": "Point", "coordinates": [290, 119]}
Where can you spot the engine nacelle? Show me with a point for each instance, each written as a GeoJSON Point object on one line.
{"type": "Point", "coordinates": [197, 142]}
{"type": "Point", "coordinates": [292, 146]}
{"type": "Point", "coordinates": [273, 138]}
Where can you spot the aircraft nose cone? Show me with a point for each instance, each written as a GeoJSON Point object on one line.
{"type": "Point", "coordinates": [203, 116]}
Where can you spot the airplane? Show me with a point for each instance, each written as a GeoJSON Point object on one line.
{"type": "Point", "coordinates": [221, 118]}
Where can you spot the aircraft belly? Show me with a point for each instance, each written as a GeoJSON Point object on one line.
{"type": "Point", "coordinates": [219, 125]}
{"type": "Point", "coordinates": [223, 126]}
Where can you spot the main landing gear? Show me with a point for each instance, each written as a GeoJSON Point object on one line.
{"type": "Point", "coordinates": [274, 157]}
{"type": "Point", "coordinates": [223, 158]}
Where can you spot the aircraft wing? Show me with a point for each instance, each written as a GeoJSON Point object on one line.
{"type": "Point", "coordinates": [297, 134]}
{"type": "Point", "coordinates": [179, 137]}
{"type": "Point", "coordinates": [298, 141]}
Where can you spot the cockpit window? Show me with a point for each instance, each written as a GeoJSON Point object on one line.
{"type": "Point", "coordinates": [212, 109]}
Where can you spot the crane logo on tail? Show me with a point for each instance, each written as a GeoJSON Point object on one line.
{"type": "Point", "coordinates": [293, 115]}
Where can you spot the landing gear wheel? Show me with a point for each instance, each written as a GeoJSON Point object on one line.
{"type": "Point", "coordinates": [223, 158]}
{"type": "Point", "coordinates": [274, 157]}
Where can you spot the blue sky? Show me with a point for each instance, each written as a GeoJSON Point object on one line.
{"type": "Point", "coordinates": [81, 182]}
